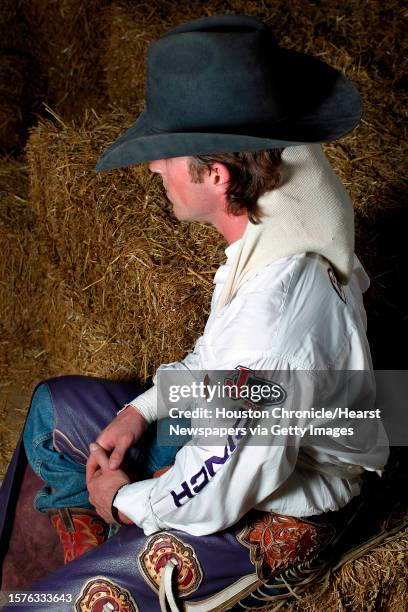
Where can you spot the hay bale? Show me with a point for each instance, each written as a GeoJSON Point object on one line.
{"type": "Point", "coordinates": [126, 287]}
{"type": "Point", "coordinates": [66, 40]}
{"type": "Point", "coordinates": [20, 359]}
{"type": "Point", "coordinates": [21, 278]}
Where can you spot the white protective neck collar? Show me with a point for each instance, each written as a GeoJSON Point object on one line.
{"type": "Point", "coordinates": [310, 212]}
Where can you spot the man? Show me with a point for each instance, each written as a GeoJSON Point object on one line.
{"type": "Point", "coordinates": [235, 521]}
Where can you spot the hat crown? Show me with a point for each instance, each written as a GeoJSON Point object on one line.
{"type": "Point", "coordinates": [218, 71]}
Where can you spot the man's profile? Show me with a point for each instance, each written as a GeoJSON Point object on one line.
{"type": "Point", "coordinates": [232, 125]}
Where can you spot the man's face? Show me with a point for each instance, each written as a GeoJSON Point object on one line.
{"type": "Point", "coordinates": [191, 201]}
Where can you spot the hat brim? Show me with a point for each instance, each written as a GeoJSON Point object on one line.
{"type": "Point", "coordinates": [327, 119]}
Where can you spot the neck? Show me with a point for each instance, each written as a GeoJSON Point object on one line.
{"type": "Point", "coordinates": [232, 227]}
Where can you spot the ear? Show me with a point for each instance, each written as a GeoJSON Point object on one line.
{"type": "Point", "coordinates": [219, 174]}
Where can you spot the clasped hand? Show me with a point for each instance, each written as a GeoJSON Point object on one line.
{"type": "Point", "coordinates": [104, 475]}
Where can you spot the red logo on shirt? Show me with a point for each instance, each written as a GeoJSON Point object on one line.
{"type": "Point", "coordinates": [242, 382]}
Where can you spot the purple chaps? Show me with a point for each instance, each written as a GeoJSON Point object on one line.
{"type": "Point", "coordinates": [247, 566]}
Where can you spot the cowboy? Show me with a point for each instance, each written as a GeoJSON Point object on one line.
{"type": "Point", "coordinates": [232, 125]}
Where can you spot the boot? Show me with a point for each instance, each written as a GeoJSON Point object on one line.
{"type": "Point", "coordinates": [78, 529]}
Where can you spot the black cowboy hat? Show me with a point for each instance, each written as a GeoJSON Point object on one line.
{"type": "Point", "coordinates": [222, 84]}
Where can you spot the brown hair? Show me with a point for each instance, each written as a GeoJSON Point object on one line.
{"type": "Point", "coordinates": [252, 173]}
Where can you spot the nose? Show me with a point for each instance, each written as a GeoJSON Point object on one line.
{"type": "Point", "coordinates": [156, 165]}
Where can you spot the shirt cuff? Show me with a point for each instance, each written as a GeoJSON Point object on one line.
{"type": "Point", "coordinates": [134, 501]}
{"type": "Point", "coordinates": [146, 404]}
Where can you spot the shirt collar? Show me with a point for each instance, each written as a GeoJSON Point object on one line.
{"type": "Point", "coordinates": [223, 271]}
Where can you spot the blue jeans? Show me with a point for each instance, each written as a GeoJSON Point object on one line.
{"type": "Point", "coordinates": [64, 478]}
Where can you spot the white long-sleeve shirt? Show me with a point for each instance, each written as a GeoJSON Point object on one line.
{"type": "Point", "coordinates": [292, 316]}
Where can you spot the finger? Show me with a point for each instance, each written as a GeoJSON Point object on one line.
{"type": "Point", "coordinates": [92, 478]}
{"type": "Point", "coordinates": [105, 441]}
{"type": "Point", "coordinates": [91, 467]}
{"type": "Point", "coordinates": [100, 455]}
{"type": "Point", "coordinates": [117, 455]}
